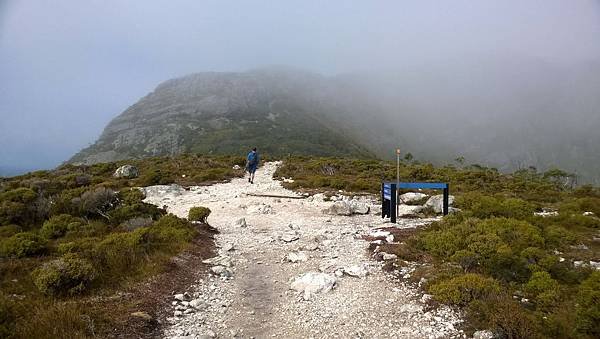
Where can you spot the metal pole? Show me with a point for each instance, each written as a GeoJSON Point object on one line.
{"type": "Point", "coordinates": [397, 177]}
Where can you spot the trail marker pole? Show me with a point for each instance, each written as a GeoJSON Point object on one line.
{"type": "Point", "coordinates": [397, 176]}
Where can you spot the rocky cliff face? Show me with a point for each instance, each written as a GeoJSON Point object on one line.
{"type": "Point", "coordinates": [279, 111]}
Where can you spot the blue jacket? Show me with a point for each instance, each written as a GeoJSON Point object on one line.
{"type": "Point", "coordinates": [253, 158]}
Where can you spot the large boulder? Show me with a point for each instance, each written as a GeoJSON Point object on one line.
{"type": "Point", "coordinates": [313, 282]}
{"type": "Point", "coordinates": [347, 208]}
{"type": "Point", "coordinates": [408, 210]}
{"type": "Point", "coordinates": [412, 197]}
{"type": "Point", "coordinates": [436, 202]}
{"type": "Point", "coordinates": [339, 208]}
{"type": "Point", "coordinates": [127, 171]}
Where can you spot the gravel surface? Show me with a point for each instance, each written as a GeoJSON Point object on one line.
{"type": "Point", "coordinates": [284, 243]}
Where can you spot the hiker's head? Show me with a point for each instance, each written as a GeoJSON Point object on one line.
{"type": "Point", "coordinates": [254, 149]}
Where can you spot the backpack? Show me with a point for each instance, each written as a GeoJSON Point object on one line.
{"type": "Point", "coordinates": [252, 158]}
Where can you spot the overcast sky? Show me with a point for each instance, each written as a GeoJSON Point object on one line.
{"type": "Point", "coordinates": [68, 67]}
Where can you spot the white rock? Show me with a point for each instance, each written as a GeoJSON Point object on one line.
{"type": "Point", "coordinates": [293, 226]}
{"type": "Point", "coordinates": [412, 197]}
{"type": "Point", "coordinates": [241, 222]}
{"type": "Point", "coordinates": [358, 271]}
{"type": "Point", "coordinates": [178, 313]}
{"type": "Point", "coordinates": [313, 282]}
{"type": "Point", "coordinates": [289, 237]}
{"type": "Point", "coordinates": [219, 261]}
{"type": "Point", "coordinates": [595, 264]}
{"type": "Point", "coordinates": [486, 334]}
{"type": "Point", "coordinates": [588, 214]}
{"type": "Point", "coordinates": [436, 202]}
{"type": "Point", "coordinates": [297, 257]}
{"type": "Point", "coordinates": [198, 304]}
{"type": "Point", "coordinates": [359, 207]}
{"type": "Point", "coordinates": [260, 209]}
{"type": "Point", "coordinates": [410, 308]}
{"type": "Point", "coordinates": [408, 210]}
{"type": "Point", "coordinates": [236, 167]}
{"type": "Point", "coordinates": [227, 247]}
{"type": "Point", "coordinates": [311, 246]}
{"type": "Point", "coordinates": [127, 171]}
{"type": "Point", "coordinates": [339, 208]}
{"type": "Point", "coordinates": [388, 256]}
{"type": "Point", "coordinates": [179, 297]}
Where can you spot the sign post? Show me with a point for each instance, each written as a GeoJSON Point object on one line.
{"type": "Point", "coordinates": [397, 176]}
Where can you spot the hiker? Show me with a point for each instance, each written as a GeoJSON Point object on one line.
{"type": "Point", "coordinates": [252, 164]}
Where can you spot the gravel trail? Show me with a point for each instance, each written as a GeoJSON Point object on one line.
{"type": "Point", "coordinates": [249, 294]}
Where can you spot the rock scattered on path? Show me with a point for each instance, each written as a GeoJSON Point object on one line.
{"type": "Point", "coordinates": [313, 282]}
{"type": "Point", "coordinates": [295, 257]}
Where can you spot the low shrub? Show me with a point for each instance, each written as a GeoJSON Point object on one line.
{"type": "Point", "coordinates": [543, 288]}
{"type": "Point", "coordinates": [9, 230]}
{"type": "Point", "coordinates": [119, 252]}
{"type": "Point", "coordinates": [588, 305]}
{"type": "Point", "coordinates": [22, 245]}
{"type": "Point", "coordinates": [58, 225]}
{"type": "Point", "coordinates": [69, 274]}
{"type": "Point", "coordinates": [131, 196]}
{"type": "Point", "coordinates": [7, 317]}
{"type": "Point", "coordinates": [95, 202]}
{"type": "Point", "coordinates": [198, 214]}
{"type": "Point", "coordinates": [464, 289]}
{"type": "Point", "coordinates": [171, 231]}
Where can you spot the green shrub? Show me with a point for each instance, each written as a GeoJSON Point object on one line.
{"type": "Point", "coordinates": [22, 245]}
{"type": "Point", "coordinates": [466, 259]}
{"type": "Point", "coordinates": [9, 230]}
{"type": "Point", "coordinates": [464, 289]}
{"type": "Point", "coordinates": [84, 246]}
{"type": "Point", "coordinates": [170, 230]}
{"type": "Point", "coordinates": [7, 317]}
{"type": "Point", "coordinates": [543, 288]}
{"type": "Point", "coordinates": [58, 225]}
{"type": "Point", "coordinates": [484, 206]}
{"type": "Point", "coordinates": [69, 274]}
{"type": "Point", "coordinates": [198, 214]}
{"type": "Point", "coordinates": [557, 236]}
{"type": "Point", "coordinates": [95, 202]}
{"type": "Point", "coordinates": [588, 305]}
{"type": "Point", "coordinates": [121, 251]}
{"type": "Point", "coordinates": [131, 196]}
{"type": "Point", "coordinates": [136, 210]}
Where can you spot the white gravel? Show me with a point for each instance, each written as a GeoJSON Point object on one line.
{"type": "Point", "coordinates": [253, 298]}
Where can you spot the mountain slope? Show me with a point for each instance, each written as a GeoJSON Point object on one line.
{"type": "Point", "coordinates": [280, 112]}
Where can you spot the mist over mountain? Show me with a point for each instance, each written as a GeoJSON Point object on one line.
{"type": "Point", "coordinates": [508, 114]}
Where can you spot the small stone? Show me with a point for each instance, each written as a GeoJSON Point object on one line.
{"type": "Point", "coordinates": [241, 222]}
{"type": "Point", "coordinates": [179, 297]}
{"type": "Point", "coordinates": [358, 271]}
{"type": "Point", "coordinates": [486, 334]}
{"type": "Point", "coordinates": [289, 237]}
{"type": "Point", "coordinates": [178, 313]}
{"type": "Point", "coordinates": [142, 315]}
{"type": "Point", "coordinates": [388, 256]}
{"type": "Point", "coordinates": [295, 257]}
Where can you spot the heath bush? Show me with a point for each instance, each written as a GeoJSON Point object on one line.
{"type": "Point", "coordinates": [463, 289]}
{"type": "Point", "coordinates": [57, 226]}
{"type": "Point", "coordinates": [22, 245]}
{"type": "Point", "coordinates": [543, 288]}
{"type": "Point", "coordinates": [69, 274]}
{"type": "Point", "coordinates": [198, 214]}
{"type": "Point", "coordinates": [588, 305]}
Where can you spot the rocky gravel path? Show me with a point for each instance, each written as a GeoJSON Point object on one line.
{"type": "Point", "coordinates": [269, 246]}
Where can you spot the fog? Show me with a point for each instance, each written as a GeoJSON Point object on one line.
{"type": "Point", "coordinates": [476, 75]}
